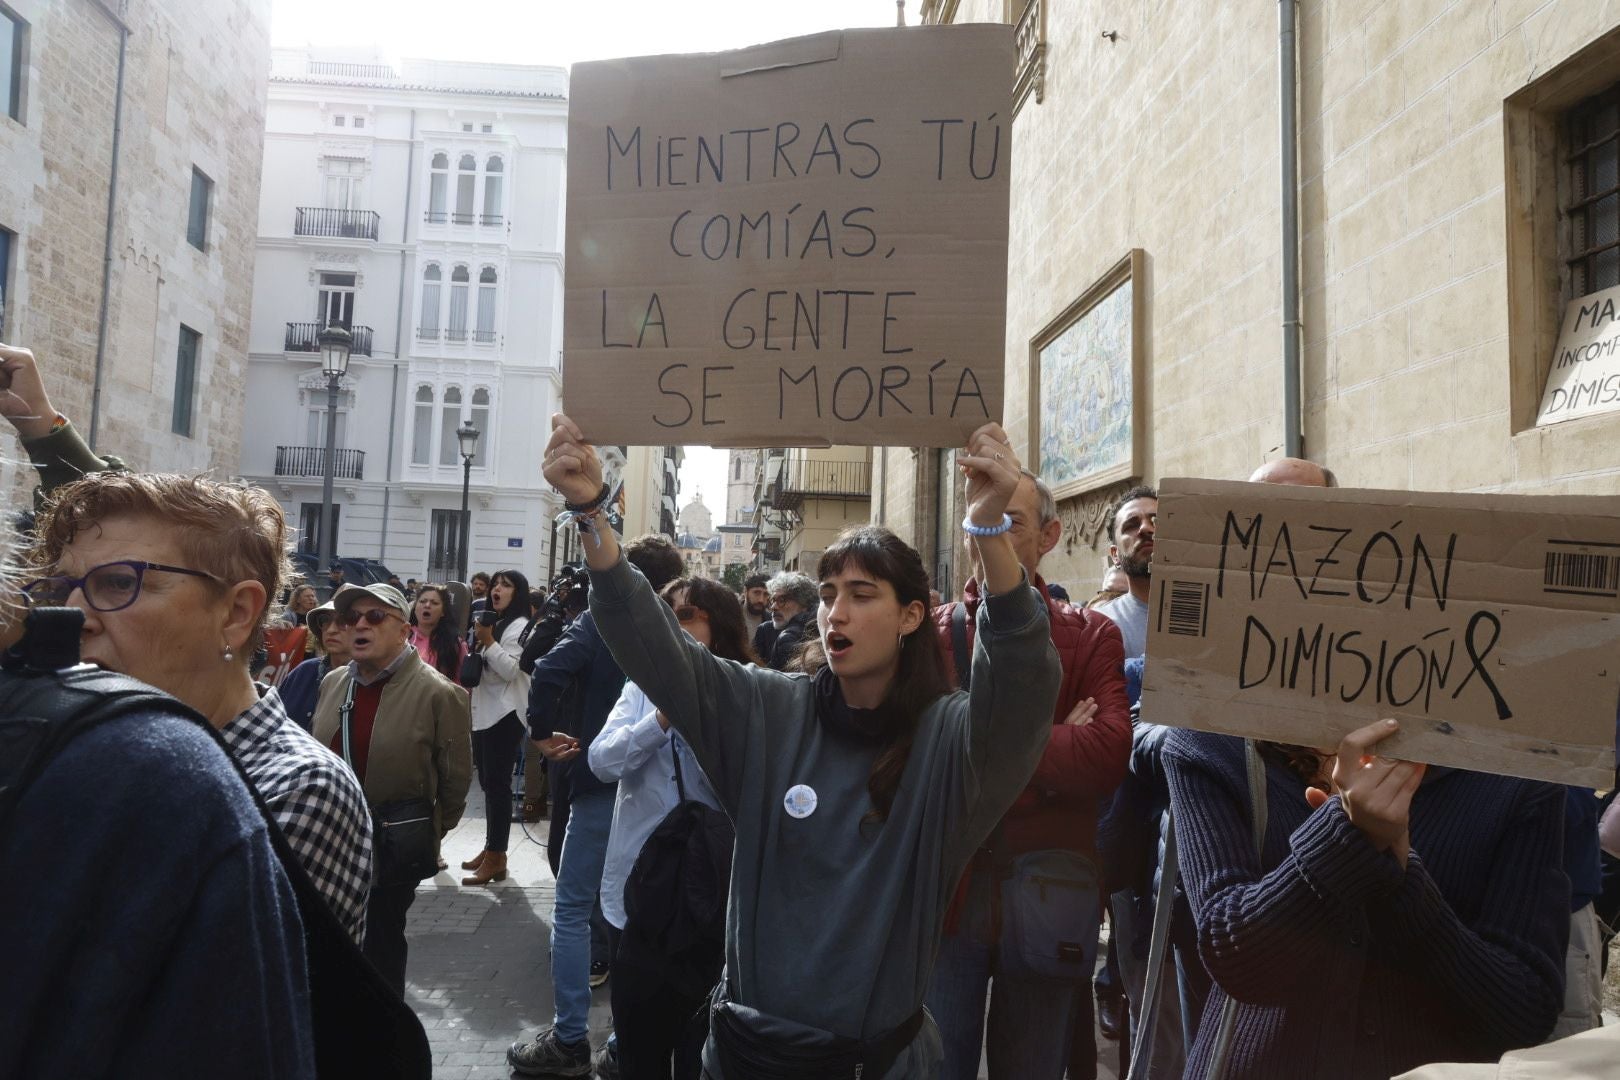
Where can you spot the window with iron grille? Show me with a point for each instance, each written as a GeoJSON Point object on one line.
{"type": "Point", "coordinates": [1593, 207]}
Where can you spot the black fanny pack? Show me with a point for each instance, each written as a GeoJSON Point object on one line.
{"type": "Point", "coordinates": [746, 1052]}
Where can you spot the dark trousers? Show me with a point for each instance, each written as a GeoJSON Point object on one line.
{"type": "Point", "coordinates": [495, 751]}
{"type": "Point", "coordinates": [385, 931]}
{"type": "Point", "coordinates": [659, 1030]}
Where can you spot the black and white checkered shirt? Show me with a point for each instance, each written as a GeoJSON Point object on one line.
{"type": "Point", "coordinates": [315, 799]}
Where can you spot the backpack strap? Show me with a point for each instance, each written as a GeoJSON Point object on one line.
{"type": "Point", "coordinates": [959, 646]}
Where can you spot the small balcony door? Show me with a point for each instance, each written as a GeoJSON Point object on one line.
{"type": "Point", "coordinates": [444, 546]}
{"type": "Point", "coordinates": [335, 304]}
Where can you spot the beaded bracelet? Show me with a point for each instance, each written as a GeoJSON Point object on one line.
{"type": "Point", "coordinates": [594, 504]}
{"type": "Point", "coordinates": [987, 530]}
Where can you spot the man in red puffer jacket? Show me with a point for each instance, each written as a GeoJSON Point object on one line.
{"type": "Point", "coordinates": [1025, 915]}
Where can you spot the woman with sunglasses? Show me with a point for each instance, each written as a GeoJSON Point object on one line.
{"type": "Point", "coordinates": [403, 729]}
{"type": "Point", "coordinates": [498, 705]}
{"type": "Point", "coordinates": [653, 1004]}
{"type": "Point", "coordinates": [858, 793]}
{"type": "Point", "coordinates": [174, 575]}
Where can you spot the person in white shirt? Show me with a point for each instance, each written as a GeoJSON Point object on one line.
{"type": "Point", "coordinates": [1131, 528]}
{"type": "Point", "coordinates": [652, 1017]}
{"type": "Point", "coordinates": [498, 704]}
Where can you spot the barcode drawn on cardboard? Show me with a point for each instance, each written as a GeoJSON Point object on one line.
{"type": "Point", "coordinates": [1582, 573]}
{"type": "Point", "coordinates": [1188, 613]}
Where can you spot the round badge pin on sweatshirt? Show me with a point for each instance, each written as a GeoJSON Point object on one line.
{"type": "Point", "coordinates": [800, 801]}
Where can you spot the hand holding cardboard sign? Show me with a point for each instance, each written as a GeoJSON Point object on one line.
{"type": "Point", "coordinates": [1376, 791]}
{"type": "Point", "coordinates": [992, 473]}
{"type": "Point", "coordinates": [571, 465]}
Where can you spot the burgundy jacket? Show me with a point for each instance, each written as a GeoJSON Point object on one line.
{"type": "Point", "coordinates": [1082, 764]}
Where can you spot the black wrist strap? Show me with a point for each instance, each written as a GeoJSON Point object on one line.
{"type": "Point", "coordinates": [585, 508]}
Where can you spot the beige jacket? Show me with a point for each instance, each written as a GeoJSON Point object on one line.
{"type": "Point", "coordinates": [421, 743]}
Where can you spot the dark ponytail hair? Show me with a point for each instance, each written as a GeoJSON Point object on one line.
{"type": "Point", "coordinates": [920, 679]}
{"type": "Point", "coordinates": [444, 641]}
{"type": "Point", "coordinates": [517, 607]}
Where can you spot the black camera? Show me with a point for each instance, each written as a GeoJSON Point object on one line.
{"type": "Point", "coordinates": [488, 618]}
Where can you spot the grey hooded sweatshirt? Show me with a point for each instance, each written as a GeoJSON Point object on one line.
{"type": "Point", "coordinates": [833, 925]}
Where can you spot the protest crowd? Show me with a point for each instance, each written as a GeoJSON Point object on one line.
{"type": "Point", "coordinates": [823, 828]}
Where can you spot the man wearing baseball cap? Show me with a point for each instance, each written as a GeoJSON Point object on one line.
{"type": "Point", "coordinates": [406, 731]}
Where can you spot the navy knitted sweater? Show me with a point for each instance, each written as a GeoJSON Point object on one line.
{"type": "Point", "coordinates": [146, 926]}
{"type": "Point", "coordinates": [1344, 965]}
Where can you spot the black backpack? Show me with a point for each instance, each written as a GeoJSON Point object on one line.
{"type": "Point", "coordinates": [362, 1028]}
{"type": "Point", "coordinates": [675, 897]}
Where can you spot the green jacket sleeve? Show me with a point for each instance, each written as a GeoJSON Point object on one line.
{"type": "Point", "coordinates": [62, 457]}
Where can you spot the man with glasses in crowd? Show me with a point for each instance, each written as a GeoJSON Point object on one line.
{"type": "Point", "coordinates": [794, 599]}
{"type": "Point", "coordinates": [422, 749]}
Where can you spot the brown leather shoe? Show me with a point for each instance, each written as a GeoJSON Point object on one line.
{"type": "Point", "coordinates": [494, 869]}
{"type": "Point", "coordinates": [476, 861]}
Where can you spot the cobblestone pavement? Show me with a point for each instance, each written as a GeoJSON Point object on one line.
{"type": "Point", "coordinates": [479, 971]}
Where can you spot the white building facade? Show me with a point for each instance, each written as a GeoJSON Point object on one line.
{"type": "Point", "coordinates": [421, 208]}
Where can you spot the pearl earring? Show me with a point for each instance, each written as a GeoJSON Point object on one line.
{"type": "Point", "coordinates": [228, 655]}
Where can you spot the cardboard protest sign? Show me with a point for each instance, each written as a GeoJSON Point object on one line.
{"type": "Point", "coordinates": [1488, 624]}
{"type": "Point", "coordinates": [802, 243]}
{"type": "Point", "coordinates": [1585, 375]}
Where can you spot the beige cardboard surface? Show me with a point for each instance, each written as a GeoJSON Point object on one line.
{"type": "Point", "coordinates": [1489, 624]}
{"type": "Point", "coordinates": [1585, 375]}
{"type": "Point", "coordinates": [803, 243]}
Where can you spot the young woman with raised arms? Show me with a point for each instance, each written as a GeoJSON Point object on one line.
{"type": "Point", "coordinates": [858, 793]}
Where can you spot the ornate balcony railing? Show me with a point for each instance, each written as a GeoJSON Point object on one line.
{"type": "Point", "coordinates": [305, 337]}
{"type": "Point", "coordinates": [343, 224]}
{"type": "Point", "coordinates": [802, 478]}
{"type": "Point", "coordinates": [311, 461]}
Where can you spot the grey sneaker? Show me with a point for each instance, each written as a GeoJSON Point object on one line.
{"type": "Point", "coordinates": [548, 1055]}
{"type": "Point", "coordinates": [607, 1062]}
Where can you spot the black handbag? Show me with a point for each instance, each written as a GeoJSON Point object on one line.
{"type": "Point", "coordinates": [472, 666]}
{"type": "Point", "coordinates": [404, 838]}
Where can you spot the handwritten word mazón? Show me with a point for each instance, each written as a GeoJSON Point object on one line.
{"type": "Point", "coordinates": [1387, 565]}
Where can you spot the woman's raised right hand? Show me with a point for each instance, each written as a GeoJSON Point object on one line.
{"type": "Point", "coordinates": [571, 465]}
{"type": "Point", "coordinates": [1376, 791]}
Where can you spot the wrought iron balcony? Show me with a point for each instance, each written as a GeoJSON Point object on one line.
{"type": "Point", "coordinates": [345, 224]}
{"type": "Point", "coordinates": [427, 333]}
{"type": "Point", "coordinates": [305, 337]}
{"type": "Point", "coordinates": [435, 217]}
{"type": "Point", "coordinates": [311, 461]}
{"type": "Point", "coordinates": [808, 478]}
{"type": "Point", "coordinates": [484, 336]}
{"type": "Point", "coordinates": [455, 335]}
{"type": "Point", "coordinates": [490, 219]}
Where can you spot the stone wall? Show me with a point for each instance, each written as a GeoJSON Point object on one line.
{"type": "Point", "coordinates": [1165, 138]}
{"type": "Point", "coordinates": [194, 89]}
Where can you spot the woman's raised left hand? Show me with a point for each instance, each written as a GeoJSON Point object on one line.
{"type": "Point", "coordinates": [992, 470]}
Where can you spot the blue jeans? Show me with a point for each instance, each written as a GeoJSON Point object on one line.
{"type": "Point", "coordinates": [579, 879]}
{"type": "Point", "coordinates": [1030, 1019]}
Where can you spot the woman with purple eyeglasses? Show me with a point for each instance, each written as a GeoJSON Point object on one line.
{"type": "Point", "coordinates": [174, 576]}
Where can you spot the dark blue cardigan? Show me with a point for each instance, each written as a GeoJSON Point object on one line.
{"type": "Point", "coordinates": [1347, 967]}
{"type": "Point", "coordinates": [146, 926]}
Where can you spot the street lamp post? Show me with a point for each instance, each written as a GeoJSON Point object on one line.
{"type": "Point", "coordinates": [467, 435]}
{"type": "Point", "coordinates": [335, 343]}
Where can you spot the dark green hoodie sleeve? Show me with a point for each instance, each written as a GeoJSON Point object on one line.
{"type": "Point", "coordinates": [62, 457]}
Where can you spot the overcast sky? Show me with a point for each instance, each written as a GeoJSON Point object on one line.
{"type": "Point", "coordinates": [554, 32]}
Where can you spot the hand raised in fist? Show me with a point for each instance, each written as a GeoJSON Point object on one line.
{"type": "Point", "coordinates": [992, 470]}
{"type": "Point", "coordinates": [571, 465]}
{"type": "Point", "coordinates": [23, 400]}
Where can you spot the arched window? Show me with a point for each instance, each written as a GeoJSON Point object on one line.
{"type": "Point", "coordinates": [480, 419]}
{"type": "Point", "coordinates": [458, 305]}
{"type": "Point", "coordinates": [466, 181]}
{"type": "Point", "coordinates": [493, 170]}
{"type": "Point", "coordinates": [449, 420]}
{"type": "Point", "coordinates": [422, 427]}
{"type": "Point", "coordinates": [438, 188]}
{"type": "Point", "coordinates": [428, 328]}
{"type": "Point", "coordinates": [486, 305]}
